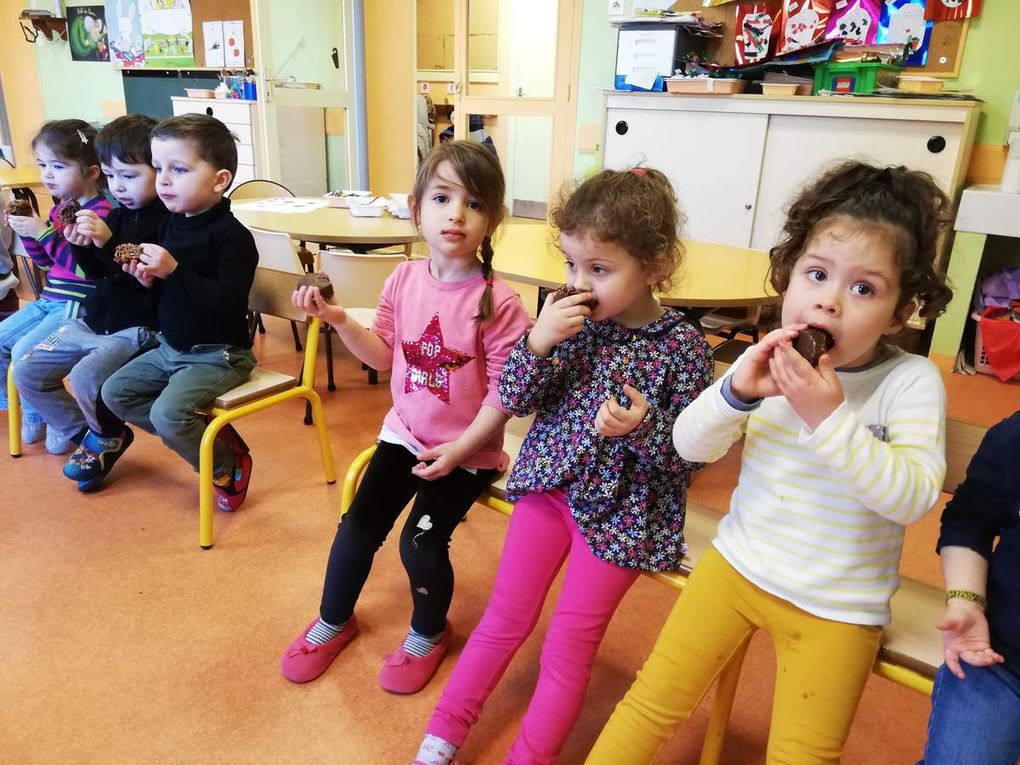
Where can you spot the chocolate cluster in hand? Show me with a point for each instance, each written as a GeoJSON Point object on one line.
{"type": "Point", "coordinates": [69, 212]}
{"type": "Point", "coordinates": [320, 280]}
{"type": "Point", "coordinates": [126, 252]}
{"type": "Point", "coordinates": [565, 290]}
{"type": "Point", "coordinates": [19, 207]}
{"type": "Point", "coordinates": [813, 343]}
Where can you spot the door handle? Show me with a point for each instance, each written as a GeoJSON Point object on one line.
{"type": "Point", "coordinates": [336, 58]}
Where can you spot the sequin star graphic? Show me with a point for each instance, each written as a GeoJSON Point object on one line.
{"type": "Point", "coordinates": [429, 362]}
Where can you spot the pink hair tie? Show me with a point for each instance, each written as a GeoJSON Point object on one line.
{"type": "Point", "coordinates": [639, 171]}
{"type": "Point", "coordinates": [488, 281]}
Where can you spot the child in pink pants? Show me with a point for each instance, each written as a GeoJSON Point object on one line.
{"type": "Point", "coordinates": [597, 482]}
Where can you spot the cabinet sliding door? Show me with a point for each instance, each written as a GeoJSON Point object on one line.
{"type": "Point", "coordinates": [713, 160]}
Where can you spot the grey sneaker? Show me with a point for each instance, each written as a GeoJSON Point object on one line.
{"type": "Point", "coordinates": [32, 427]}
{"type": "Point", "coordinates": [59, 441]}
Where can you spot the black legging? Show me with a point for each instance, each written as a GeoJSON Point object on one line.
{"type": "Point", "coordinates": [385, 490]}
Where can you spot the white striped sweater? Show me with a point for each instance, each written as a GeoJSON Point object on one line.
{"type": "Point", "coordinates": [817, 517]}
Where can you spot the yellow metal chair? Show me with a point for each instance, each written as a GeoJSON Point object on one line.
{"type": "Point", "coordinates": [13, 414]}
{"type": "Point", "coordinates": [270, 294]}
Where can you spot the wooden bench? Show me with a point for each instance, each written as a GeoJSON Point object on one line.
{"type": "Point", "coordinates": [911, 650]}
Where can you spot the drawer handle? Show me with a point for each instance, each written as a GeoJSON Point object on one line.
{"type": "Point", "coordinates": [208, 110]}
{"type": "Point", "coordinates": [936, 144]}
{"type": "Point", "coordinates": [622, 127]}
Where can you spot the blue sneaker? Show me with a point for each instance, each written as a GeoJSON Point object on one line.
{"type": "Point", "coordinates": [94, 459]}
{"type": "Point", "coordinates": [33, 427]}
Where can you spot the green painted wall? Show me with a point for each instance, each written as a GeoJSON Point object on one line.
{"type": "Point", "coordinates": [73, 88]}
{"type": "Point", "coordinates": [991, 66]}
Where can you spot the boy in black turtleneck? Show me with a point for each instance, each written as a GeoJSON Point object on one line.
{"type": "Point", "coordinates": [200, 274]}
{"type": "Point", "coordinates": [118, 317]}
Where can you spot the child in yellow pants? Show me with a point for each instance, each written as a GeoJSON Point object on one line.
{"type": "Point", "coordinates": [821, 669]}
{"type": "Point", "coordinates": [845, 441]}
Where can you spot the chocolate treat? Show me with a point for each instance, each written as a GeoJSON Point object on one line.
{"type": "Point", "coordinates": [69, 212]}
{"type": "Point", "coordinates": [126, 252]}
{"type": "Point", "coordinates": [19, 207]}
{"type": "Point", "coordinates": [812, 343]}
{"type": "Point", "coordinates": [566, 291]}
{"type": "Point", "coordinates": [320, 280]}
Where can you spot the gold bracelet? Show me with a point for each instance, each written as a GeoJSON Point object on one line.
{"type": "Point", "coordinates": [973, 597]}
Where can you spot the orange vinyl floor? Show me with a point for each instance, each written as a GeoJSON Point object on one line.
{"type": "Point", "coordinates": [123, 642]}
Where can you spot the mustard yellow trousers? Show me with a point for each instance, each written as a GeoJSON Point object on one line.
{"type": "Point", "coordinates": [821, 669]}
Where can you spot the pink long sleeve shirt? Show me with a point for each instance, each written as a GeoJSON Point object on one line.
{"type": "Point", "coordinates": [446, 366]}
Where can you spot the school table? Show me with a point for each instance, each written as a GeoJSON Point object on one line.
{"type": "Point", "coordinates": [710, 275]}
{"type": "Point", "coordinates": [332, 225]}
{"type": "Point", "coordinates": [19, 177]}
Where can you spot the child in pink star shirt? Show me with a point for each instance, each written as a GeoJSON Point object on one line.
{"type": "Point", "coordinates": [445, 327]}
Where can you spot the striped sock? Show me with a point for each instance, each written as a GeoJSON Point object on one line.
{"type": "Point", "coordinates": [435, 751]}
{"type": "Point", "coordinates": [322, 632]}
{"type": "Point", "coordinates": [420, 645]}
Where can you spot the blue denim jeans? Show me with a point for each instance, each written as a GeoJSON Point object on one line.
{"type": "Point", "coordinates": [975, 721]}
{"type": "Point", "coordinates": [160, 390]}
{"type": "Point", "coordinates": [20, 331]}
{"type": "Point", "coordinates": [74, 351]}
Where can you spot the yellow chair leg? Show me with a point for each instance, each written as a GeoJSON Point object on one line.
{"type": "Point", "coordinates": [352, 477]}
{"type": "Point", "coordinates": [13, 414]}
{"type": "Point", "coordinates": [205, 483]}
{"type": "Point", "coordinates": [318, 417]}
{"type": "Point", "coordinates": [725, 691]}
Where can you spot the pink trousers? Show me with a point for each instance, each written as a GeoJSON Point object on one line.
{"type": "Point", "coordinates": [542, 534]}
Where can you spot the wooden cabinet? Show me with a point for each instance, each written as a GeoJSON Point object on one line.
{"type": "Point", "coordinates": [737, 161]}
{"type": "Point", "coordinates": [239, 116]}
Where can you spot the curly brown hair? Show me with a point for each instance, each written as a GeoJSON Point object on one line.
{"type": "Point", "coordinates": [906, 204]}
{"type": "Point", "coordinates": [478, 170]}
{"type": "Point", "coordinates": [636, 209]}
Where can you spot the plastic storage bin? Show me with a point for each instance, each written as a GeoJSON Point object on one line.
{"type": "Point", "coordinates": [854, 76]}
{"type": "Point", "coordinates": [980, 357]}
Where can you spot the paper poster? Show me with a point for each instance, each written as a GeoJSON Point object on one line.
{"type": "Point", "coordinates": [124, 26]}
{"type": "Point", "coordinates": [752, 38]}
{"type": "Point", "coordinates": [212, 43]}
{"type": "Point", "coordinates": [86, 33]}
{"type": "Point", "coordinates": [802, 24]}
{"type": "Point", "coordinates": [952, 10]}
{"type": "Point", "coordinates": [233, 44]}
{"type": "Point", "coordinates": [903, 22]}
{"type": "Point", "coordinates": [855, 21]}
{"type": "Point", "coordinates": [167, 37]}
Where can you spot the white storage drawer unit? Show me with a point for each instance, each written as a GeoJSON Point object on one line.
{"type": "Point", "coordinates": [239, 116]}
{"type": "Point", "coordinates": [737, 161]}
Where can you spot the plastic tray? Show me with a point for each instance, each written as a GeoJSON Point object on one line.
{"type": "Point", "coordinates": [715, 85]}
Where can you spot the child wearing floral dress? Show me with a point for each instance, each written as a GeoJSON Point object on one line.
{"type": "Point", "coordinates": [597, 482]}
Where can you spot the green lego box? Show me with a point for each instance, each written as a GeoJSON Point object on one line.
{"type": "Point", "coordinates": [854, 76]}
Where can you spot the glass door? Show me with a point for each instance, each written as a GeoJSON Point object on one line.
{"type": "Point", "coordinates": [506, 68]}
{"type": "Point", "coordinates": [305, 79]}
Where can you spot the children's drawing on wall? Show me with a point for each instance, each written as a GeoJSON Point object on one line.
{"type": "Point", "coordinates": [855, 21]}
{"type": "Point", "coordinates": [86, 33]}
{"type": "Point", "coordinates": [167, 36]}
{"type": "Point", "coordinates": [952, 10]}
{"type": "Point", "coordinates": [903, 22]}
{"type": "Point", "coordinates": [125, 31]}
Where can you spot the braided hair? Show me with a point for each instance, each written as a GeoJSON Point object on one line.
{"type": "Point", "coordinates": [479, 172]}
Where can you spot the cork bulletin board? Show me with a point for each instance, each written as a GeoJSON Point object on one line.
{"type": "Point", "coordinates": [222, 10]}
{"type": "Point", "coordinates": [945, 50]}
